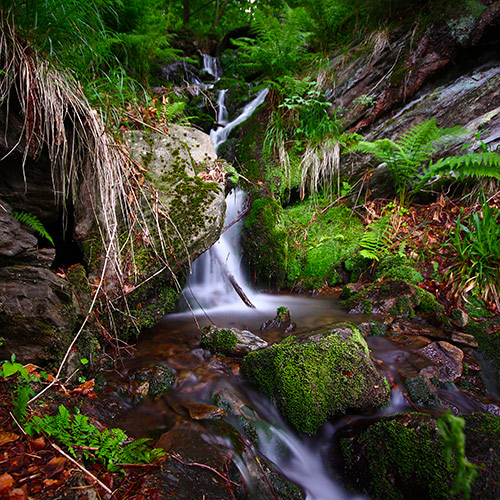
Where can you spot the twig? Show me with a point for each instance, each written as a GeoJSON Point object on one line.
{"type": "Point", "coordinates": [206, 467]}
{"type": "Point", "coordinates": [81, 467]}
{"type": "Point", "coordinates": [237, 219]}
{"type": "Point", "coordinates": [17, 423]}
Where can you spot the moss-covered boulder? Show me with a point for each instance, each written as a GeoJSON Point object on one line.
{"type": "Point", "coordinates": [403, 457]}
{"type": "Point", "coordinates": [300, 246]}
{"type": "Point", "coordinates": [318, 376]}
{"type": "Point", "coordinates": [397, 298]}
{"type": "Point", "coordinates": [230, 341]}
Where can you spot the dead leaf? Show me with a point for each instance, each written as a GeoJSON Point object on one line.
{"type": "Point", "coordinates": [19, 493]}
{"type": "Point", "coordinates": [85, 388]}
{"type": "Point", "coordinates": [8, 437]}
{"type": "Point", "coordinates": [6, 482]}
{"type": "Point", "coordinates": [55, 466]}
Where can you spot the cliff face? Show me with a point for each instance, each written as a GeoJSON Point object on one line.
{"type": "Point", "coordinates": [124, 230]}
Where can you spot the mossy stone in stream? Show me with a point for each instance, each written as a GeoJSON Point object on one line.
{"type": "Point", "coordinates": [219, 341]}
{"type": "Point", "coordinates": [314, 378]}
{"type": "Point", "coordinates": [398, 267]}
{"type": "Point", "coordinates": [403, 457]}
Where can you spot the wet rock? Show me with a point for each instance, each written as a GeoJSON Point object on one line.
{"type": "Point", "coordinates": [323, 373]}
{"type": "Point", "coordinates": [420, 393]}
{"type": "Point", "coordinates": [153, 382]}
{"type": "Point", "coordinates": [188, 444]}
{"type": "Point", "coordinates": [464, 339]}
{"type": "Point", "coordinates": [230, 341]}
{"type": "Point", "coordinates": [459, 318]}
{"type": "Point", "coordinates": [282, 320]}
{"type": "Point", "coordinates": [446, 358]}
{"type": "Point", "coordinates": [13, 238]}
{"type": "Point", "coordinates": [38, 313]}
{"type": "Point", "coordinates": [203, 412]}
{"type": "Point", "coordinates": [403, 457]}
{"type": "Point", "coordinates": [397, 298]}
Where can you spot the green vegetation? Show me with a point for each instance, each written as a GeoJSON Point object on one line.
{"type": "Point", "coordinates": [312, 381]}
{"type": "Point", "coordinates": [33, 222]}
{"type": "Point", "coordinates": [80, 436]}
{"type": "Point", "coordinates": [451, 429]}
{"type": "Point", "coordinates": [476, 243]}
{"type": "Point", "coordinates": [218, 340]}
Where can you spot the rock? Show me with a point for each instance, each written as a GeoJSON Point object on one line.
{"type": "Point", "coordinates": [403, 457]}
{"type": "Point", "coordinates": [464, 339]}
{"type": "Point", "coordinates": [282, 320]}
{"type": "Point", "coordinates": [420, 393]}
{"type": "Point", "coordinates": [397, 298]}
{"type": "Point", "coordinates": [38, 313]}
{"type": "Point", "coordinates": [318, 375]}
{"type": "Point", "coordinates": [230, 341]}
{"type": "Point", "coordinates": [153, 381]}
{"type": "Point", "coordinates": [459, 318]}
{"type": "Point", "coordinates": [13, 238]}
{"type": "Point", "coordinates": [446, 358]}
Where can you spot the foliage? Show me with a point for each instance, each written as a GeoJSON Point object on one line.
{"type": "Point", "coordinates": [109, 447]}
{"type": "Point", "coordinates": [33, 222]}
{"type": "Point", "coordinates": [408, 154]}
{"type": "Point", "coordinates": [451, 429]}
{"type": "Point", "coordinates": [476, 242]}
{"type": "Point", "coordinates": [375, 242]}
{"type": "Point", "coordinates": [11, 367]}
{"type": "Point", "coordinates": [280, 45]}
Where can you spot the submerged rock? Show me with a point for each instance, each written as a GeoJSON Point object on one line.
{"type": "Point", "coordinates": [230, 341]}
{"type": "Point", "coordinates": [318, 376]}
{"type": "Point", "coordinates": [403, 457]}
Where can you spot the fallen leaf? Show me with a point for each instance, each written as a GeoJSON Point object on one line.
{"type": "Point", "coordinates": [6, 482]}
{"type": "Point", "coordinates": [8, 437]}
{"type": "Point", "coordinates": [55, 466]}
{"type": "Point", "coordinates": [19, 493]}
{"type": "Point", "coordinates": [85, 388]}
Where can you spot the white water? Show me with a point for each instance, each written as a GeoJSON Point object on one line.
{"type": "Point", "coordinates": [221, 134]}
{"type": "Point", "coordinates": [222, 114]}
{"type": "Point", "coordinates": [211, 66]}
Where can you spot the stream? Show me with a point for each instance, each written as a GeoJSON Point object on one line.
{"type": "Point", "coordinates": [209, 389]}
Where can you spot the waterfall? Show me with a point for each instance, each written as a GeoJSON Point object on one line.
{"type": "Point", "coordinates": [222, 114]}
{"type": "Point", "coordinates": [221, 134]}
{"type": "Point", "coordinates": [211, 66]}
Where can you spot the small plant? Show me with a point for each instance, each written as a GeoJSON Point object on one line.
{"type": "Point", "coordinates": [33, 222]}
{"type": "Point", "coordinates": [110, 447]}
{"type": "Point", "coordinates": [451, 430]}
{"type": "Point", "coordinates": [375, 242]}
{"type": "Point", "coordinates": [365, 100]}
{"type": "Point", "coordinates": [476, 242]}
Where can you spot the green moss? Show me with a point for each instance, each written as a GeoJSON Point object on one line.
{"type": "Point", "coordinates": [220, 340]}
{"type": "Point", "coordinates": [429, 304]}
{"type": "Point", "coordinates": [378, 329]}
{"type": "Point", "coordinates": [160, 380]}
{"type": "Point", "coordinates": [356, 264]}
{"type": "Point", "coordinates": [403, 307]}
{"type": "Point", "coordinates": [405, 456]}
{"type": "Point", "coordinates": [420, 393]}
{"type": "Point", "coordinates": [312, 381]}
{"type": "Point", "coordinates": [398, 267]}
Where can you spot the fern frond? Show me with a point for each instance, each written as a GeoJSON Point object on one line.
{"type": "Point", "coordinates": [479, 165]}
{"type": "Point", "coordinates": [32, 221]}
{"type": "Point", "coordinates": [375, 241]}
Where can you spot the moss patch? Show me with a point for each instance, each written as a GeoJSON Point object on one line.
{"type": "Point", "coordinates": [221, 341]}
{"type": "Point", "coordinates": [314, 380]}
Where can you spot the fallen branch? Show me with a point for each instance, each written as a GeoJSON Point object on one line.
{"type": "Point", "coordinates": [205, 467]}
{"type": "Point", "coordinates": [82, 468]}
{"type": "Point", "coordinates": [237, 219]}
{"type": "Point", "coordinates": [234, 283]}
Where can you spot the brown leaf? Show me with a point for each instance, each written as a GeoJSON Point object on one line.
{"type": "Point", "coordinates": [85, 388]}
{"type": "Point", "coordinates": [19, 493]}
{"type": "Point", "coordinates": [8, 437]}
{"type": "Point", "coordinates": [6, 482]}
{"type": "Point", "coordinates": [38, 444]}
{"type": "Point", "coordinates": [55, 466]}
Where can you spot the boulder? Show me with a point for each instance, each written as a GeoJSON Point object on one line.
{"type": "Point", "coordinates": [230, 341]}
{"type": "Point", "coordinates": [319, 375]}
{"type": "Point", "coordinates": [403, 457]}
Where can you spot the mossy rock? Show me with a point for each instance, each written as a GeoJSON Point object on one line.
{"type": "Point", "coordinates": [398, 267]}
{"type": "Point", "coordinates": [159, 380]}
{"type": "Point", "coordinates": [230, 341]}
{"type": "Point", "coordinates": [314, 378]}
{"type": "Point", "coordinates": [403, 457]}
{"type": "Point", "coordinates": [397, 298]}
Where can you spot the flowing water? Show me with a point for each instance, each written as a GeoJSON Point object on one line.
{"type": "Point", "coordinates": [201, 379]}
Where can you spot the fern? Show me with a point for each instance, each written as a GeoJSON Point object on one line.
{"type": "Point", "coordinates": [33, 222]}
{"type": "Point", "coordinates": [375, 241]}
{"type": "Point", "coordinates": [108, 447]}
{"type": "Point", "coordinates": [480, 165]}
{"type": "Point", "coordinates": [407, 155]}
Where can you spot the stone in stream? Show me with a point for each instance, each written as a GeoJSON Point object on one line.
{"type": "Point", "coordinates": [403, 457]}
{"type": "Point", "coordinates": [282, 320]}
{"type": "Point", "coordinates": [323, 373]}
{"type": "Point", "coordinates": [230, 341]}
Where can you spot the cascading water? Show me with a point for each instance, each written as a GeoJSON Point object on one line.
{"type": "Point", "coordinates": [221, 134]}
